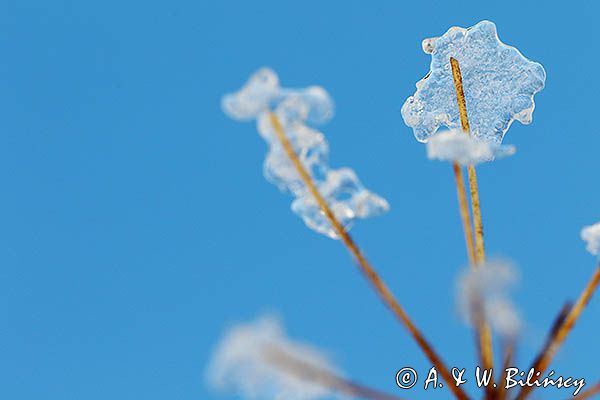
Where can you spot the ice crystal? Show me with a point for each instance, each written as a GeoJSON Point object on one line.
{"type": "Point", "coordinates": [296, 109]}
{"type": "Point", "coordinates": [347, 198]}
{"type": "Point", "coordinates": [499, 85]}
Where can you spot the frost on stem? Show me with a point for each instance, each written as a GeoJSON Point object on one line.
{"type": "Point", "coordinates": [243, 363]}
{"type": "Point", "coordinates": [591, 235]}
{"type": "Point", "coordinates": [296, 109]}
{"type": "Point", "coordinates": [455, 145]}
{"type": "Point", "coordinates": [499, 84]}
{"type": "Point", "coordinates": [485, 289]}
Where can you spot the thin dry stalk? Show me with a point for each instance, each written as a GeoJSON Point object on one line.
{"type": "Point", "coordinates": [561, 330]}
{"type": "Point", "coordinates": [465, 216]}
{"type": "Point", "coordinates": [481, 332]}
{"type": "Point", "coordinates": [380, 287]}
{"type": "Point", "coordinates": [485, 346]}
{"type": "Point", "coordinates": [464, 121]}
{"type": "Point", "coordinates": [325, 378]}
{"type": "Point", "coordinates": [477, 220]}
{"type": "Point", "coordinates": [558, 322]}
{"type": "Point", "coordinates": [589, 393]}
{"type": "Point", "coordinates": [485, 335]}
{"type": "Point", "coordinates": [509, 353]}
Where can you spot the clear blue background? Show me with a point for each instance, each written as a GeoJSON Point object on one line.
{"type": "Point", "coordinates": [136, 225]}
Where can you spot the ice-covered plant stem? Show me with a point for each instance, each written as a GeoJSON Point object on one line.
{"type": "Point", "coordinates": [380, 287]}
{"type": "Point", "coordinates": [500, 85]}
{"type": "Point", "coordinates": [483, 330]}
{"type": "Point", "coordinates": [328, 200]}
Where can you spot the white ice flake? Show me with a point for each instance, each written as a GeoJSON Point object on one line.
{"type": "Point", "coordinates": [455, 145]}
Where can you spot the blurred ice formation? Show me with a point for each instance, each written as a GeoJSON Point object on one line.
{"type": "Point", "coordinates": [591, 235]}
{"type": "Point", "coordinates": [243, 362]}
{"type": "Point", "coordinates": [486, 289]}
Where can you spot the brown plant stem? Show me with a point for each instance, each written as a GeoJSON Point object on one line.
{"type": "Point", "coordinates": [324, 378]}
{"type": "Point", "coordinates": [561, 330]}
{"type": "Point", "coordinates": [589, 393]}
{"type": "Point", "coordinates": [465, 216]}
{"type": "Point", "coordinates": [481, 334]}
{"type": "Point", "coordinates": [369, 272]}
{"type": "Point", "coordinates": [477, 219]}
{"type": "Point", "coordinates": [485, 335]}
{"type": "Point", "coordinates": [509, 352]}
{"type": "Point", "coordinates": [474, 188]}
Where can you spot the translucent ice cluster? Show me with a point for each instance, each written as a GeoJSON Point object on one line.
{"type": "Point", "coordinates": [243, 363]}
{"type": "Point", "coordinates": [296, 109]}
{"type": "Point", "coordinates": [455, 145]}
{"type": "Point", "coordinates": [591, 235]}
{"type": "Point", "coordinates": [487, 287]}
{"type": "Point", "coordinates": [499, 84]}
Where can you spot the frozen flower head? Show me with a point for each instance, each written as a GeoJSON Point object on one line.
{"type": "Point", "coordinates": [499, 85]}
{"type": "Point", "coordinates": [591, 235]}
{"type": "Point", "coordinates": [244, 362]}
{"type": "Point", "coordinates": [298, 110]}
{"type": "Point", "coordinates": [485, 290]}
{"type": "Point", "coordinates": [455, 145]}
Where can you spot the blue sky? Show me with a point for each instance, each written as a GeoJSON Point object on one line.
{"type": "Point", "coordinates": [136, 224]}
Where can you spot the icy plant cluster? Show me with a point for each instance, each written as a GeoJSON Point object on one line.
{"type": "Point", "coordinates": [455, 145]}
{"type": "Point", "coordinates": [296, 109]}
{"type": "Point", "coordinates": [591, 235]}
{"type": "Point", "coordinates": [242, 363]}
{"type": "Point", "coordinates": [488, 287]}
{"type": "Point", "coordinates": [258, 360]}
{"type": "Point", "coordinates": [499, 85]}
